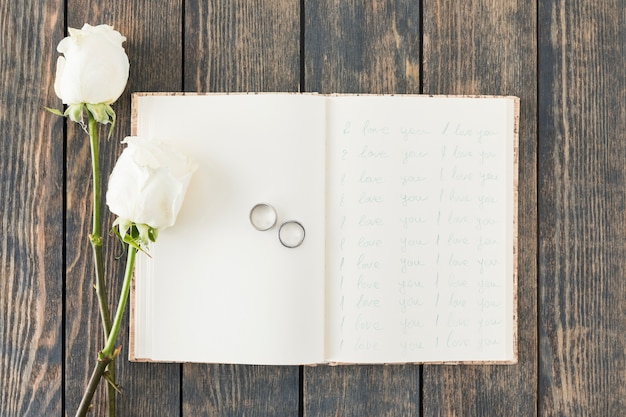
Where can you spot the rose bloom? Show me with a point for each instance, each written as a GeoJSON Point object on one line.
{"type": "Point", "coordinates": [94, 68]}
{"type": "Point", "coordinates": [148, 183]}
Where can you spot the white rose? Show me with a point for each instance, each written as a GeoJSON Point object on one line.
{"type": "Point", "coordinates": [148, 183]}
{"type": "Point", "coordinates": [95, 67]}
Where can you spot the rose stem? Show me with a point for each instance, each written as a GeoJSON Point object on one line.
{"type": "Point", "coordinates": [107, 355]}
{"type": "Point", "coordinates": [96, 244]}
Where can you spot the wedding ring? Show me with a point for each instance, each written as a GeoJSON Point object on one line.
{"type": "Point", "coordinates": [291, 234]}
{"type": "Point", "coordinates": [263, 217]}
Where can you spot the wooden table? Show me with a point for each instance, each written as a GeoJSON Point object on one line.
{"type": "Point", "coordinates": [564, 59]}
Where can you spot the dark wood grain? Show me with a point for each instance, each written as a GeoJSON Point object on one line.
{"type": "Point", "coordinates": [488, 47]}
{"type": "Point", "coordinates": [362, 47]}
{"type": "Point", "coordinates": [572, 196]}
{"type": "Point", "coordinates": [240, 390]}
{"type": "Point", "coordinates": [241, 45]}
{"type": "Point", "coordinates": [31, 212]}
{"type": "Point", "coordinates": [154, 47]}
{"type": "Point", "coordinates": [582, 149]}
{"type": "Point", "coordinates": [362, 390]}
{"type": "Point", "coordinates": [232, 46]}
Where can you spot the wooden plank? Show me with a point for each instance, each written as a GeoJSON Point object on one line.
{"type": "Point", "coordinates": [31, 212]}
{"type": "Point", "coordinates": [362, 390]}
{"type": "Point", "coordinates": [241, 46]}
{"type": "Point", "coordinates": [240, 390]}
{"type": "Point", "coordinates": [154, 46]}
{"type": "Point", "coordinates": [582, 120]}
{"type": "Point", "coordinates": [362, 47]}
{"type": "Point", "coordinates": [488, 47]}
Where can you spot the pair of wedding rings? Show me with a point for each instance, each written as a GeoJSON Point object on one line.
{"type": "Point", "coordinates": [290, 234]}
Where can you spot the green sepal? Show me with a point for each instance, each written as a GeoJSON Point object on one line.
{"type": "Point", "coordinates": [101, 112]}
{"type": "Point", "coordinates": [112, 119]}
{"type": "Point", "coordinates": [115, 231]}
{"type": "Point", "coordinates": [136, 235]}
{"type": "Point", "coordinates": [123, 226]}
{"type": "Point", "coordinates": [55, 111]}
{"type": "Point", "coordinates": [98, 112]}
{"type": "Point", "coordinates": [75, 113]}
{"type": "Point", "coordinates": [147, 234]}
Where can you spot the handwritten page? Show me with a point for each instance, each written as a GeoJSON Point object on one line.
{"type": "Point", "coordinates": [215, 289]}
{"type": "Point", "coordinates": [408, 207]}
{"type": "Point", "coordinates": [419, 229]}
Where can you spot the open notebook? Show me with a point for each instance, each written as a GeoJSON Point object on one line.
{"type": "Point", "coordinates": [409, 206]}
